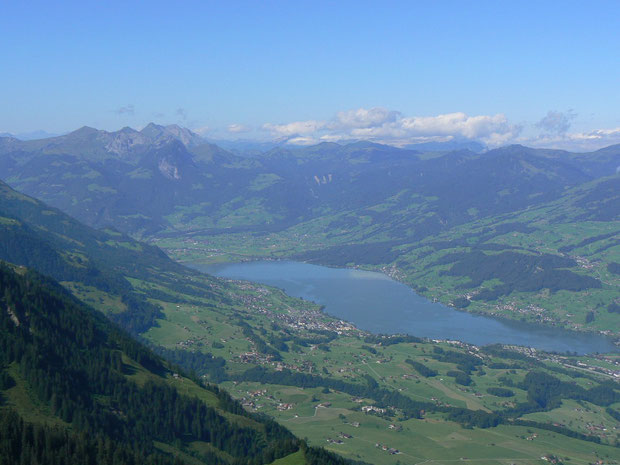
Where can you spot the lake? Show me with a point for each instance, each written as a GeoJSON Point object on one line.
{"type": "Point", "coordinates": [376, 303]}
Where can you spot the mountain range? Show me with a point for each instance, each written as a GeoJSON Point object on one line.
{"type": "Point", "coordinates": [364, 204]}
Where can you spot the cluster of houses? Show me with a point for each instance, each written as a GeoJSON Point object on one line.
{"type": "Point", "coordinates": [551, 459]}
{"type": "Point", "coordinates": [199, 341]}
{"type": "Point", "coordinates": [335, 441]}
{"type": "Point", "coordinates": [387, 448]}
{"type": "Point", "coordinates": [531, 309]}
{"type": "Point", "coordinates": [599, 429]}
{"type": "Point", "coordinates": [308, 319]}
{"type": "Point", "coordinates": [258, 358]}
{"type": "Point", "coordinates": [299, 365]}
{"type": "Point", "coordinates": [613, 372]}
{"type": "Point", "coordinates": [440, 403]}
{"type": "Point", "coordinates": [339, 439]}
{"type": "Point", "coordinates": [249, 400]}
{"type": "Point", "coordinates": [255, 357]}
{"type": "Point", "coordinates": [373, 409]}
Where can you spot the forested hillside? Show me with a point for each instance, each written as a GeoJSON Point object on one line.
{"type": "Point", "coordinates": [96, 263]}
{"type": "Point", "coordinates": [76, 389]}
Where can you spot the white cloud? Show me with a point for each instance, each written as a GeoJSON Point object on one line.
{"type": "Point", "coordinates": [238, 128]}
{"type": "Point", "coordinates": [387, 126]}
{"type": "Point", "coordinates": [579, 141]}
{"type": "Point", "coordinates": [392, 127]}
{"type": "Point", "coordinates": [599, 134]}
{"type": "Point", "coordinates": [303, 140]}
{"type": "Point", "coordinates": [364, 118]}
{"type": "Point", "coordinates": [297, 127]}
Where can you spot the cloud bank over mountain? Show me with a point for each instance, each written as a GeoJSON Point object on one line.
{"type": "Point", "coordinates": [392, 127]}
{"type": "Point", "coordinates": [381, 125]}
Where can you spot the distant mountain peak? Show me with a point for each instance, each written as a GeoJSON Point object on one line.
{"type": "Point", "coordinates": [151, 126]}
{"type": "Point", "coordinates": [127, 143]}
{"type": "Point", "coordinates": [366, 144]}
{"type": "Point", "coordinates": [83, 131]}
{"type": "Point", "coordinates": [513, 149]}
{"type": "Point", "coordinates": [127, 130]}
{"type": "Point", "coordinates": [156, 131]}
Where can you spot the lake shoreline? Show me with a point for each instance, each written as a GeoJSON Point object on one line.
{"type": "Point", "coordinates": [615, 338]}
{"type": "Point", "coordinates": [443, 320]}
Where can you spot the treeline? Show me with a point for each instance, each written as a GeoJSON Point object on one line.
{"type": "Point", "coordinates": [383, 397]}
{"type": "Point", "coordinates": [374, 253]}
{"type": "Point", "coordinates": [421, 368]}
{"type": "Point", "coordinates": [370, 388]}
{"type": "Point", "coordinates": [517, 271]}
{"type": "Point", "coordinates": [500, 392]}
{"type": "Point", "coordinates": [460, 377]}
{"type": "Point", "coordinates": [372, 350]}
{"type": "Point", "coordinates": [281, 337]}
{"type": "Point", "coordinates": [498, 350]}
{"type": "Point", "coordinates": [474, 418]}
{"type": "Point", "coordinates": [613, 413]}
{"type": "Point", "coordinates": [557, 429]}
{"type": "Point", "coordinates": [587, 241]}
{"type": "Point", "coordinates": [320, 456]}
{"type": "Point", "coordinates": [603, 394]}
{"type": "Point", "coordinates": [464, 362]}
{"type": "Point", "coordinates": [388, 340]}
{"type": "Point", "coordinates": [547, 391]}
{"type": "Point", "coordinates": [261, 345]}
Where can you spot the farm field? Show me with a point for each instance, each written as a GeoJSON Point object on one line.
{"type": "Point", "coordinates": [326, 415]}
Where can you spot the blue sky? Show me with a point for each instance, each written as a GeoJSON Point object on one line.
{"type": "Point", "coordinates": [544, 73]}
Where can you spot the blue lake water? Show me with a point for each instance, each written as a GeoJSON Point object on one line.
{"type": "Point", "coordinates": [376, 303]}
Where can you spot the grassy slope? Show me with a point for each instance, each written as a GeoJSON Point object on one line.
{"type": "Point", "coordinates": [348, 361]}
{"type": "Point", "coordinates": [571, 226]}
